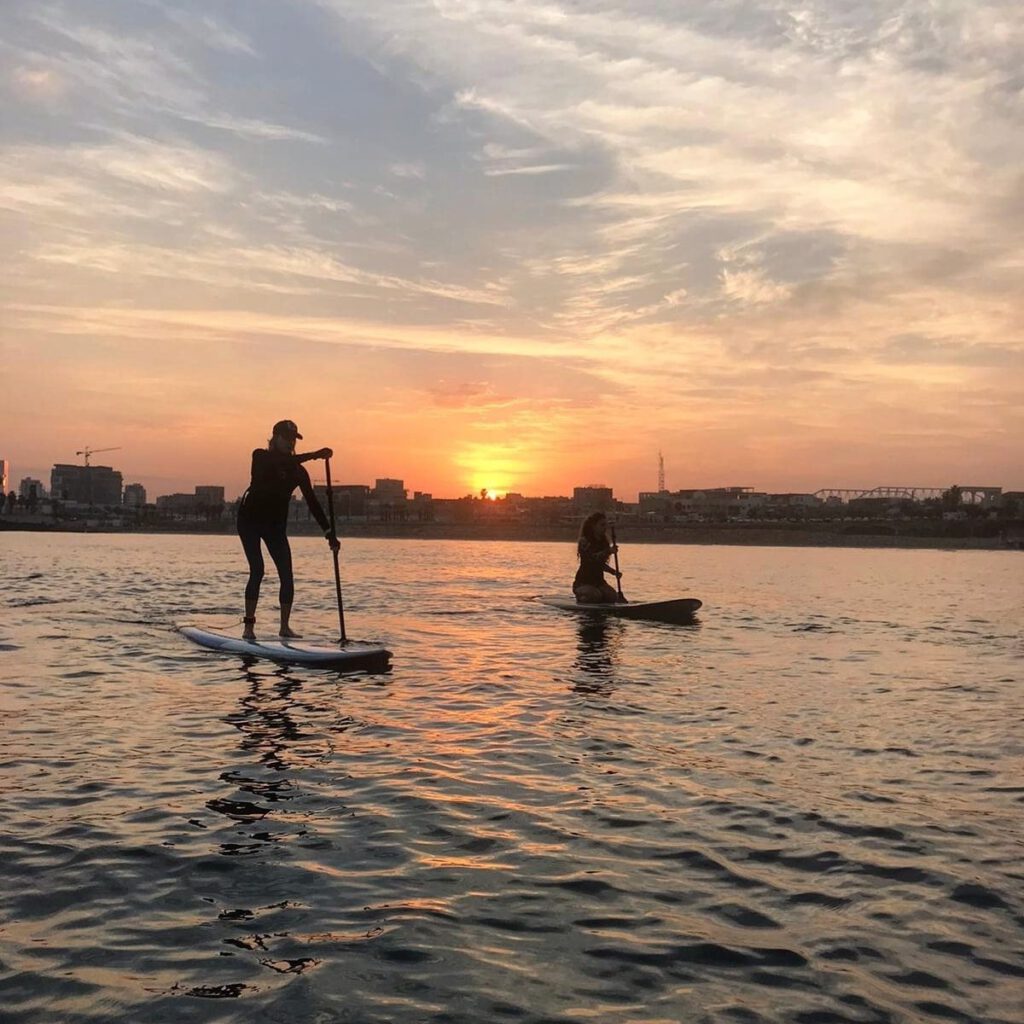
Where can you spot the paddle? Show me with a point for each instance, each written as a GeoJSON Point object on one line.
{"type": "Point", "coordinates": [618, 578]}
{"type": "Point", "coordinates": [334, 551]}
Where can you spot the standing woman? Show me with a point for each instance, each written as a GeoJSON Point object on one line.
{"type": "Point", "coordinates": [593, 550]}
{"type": "Point", "coordinates": [263, 516]}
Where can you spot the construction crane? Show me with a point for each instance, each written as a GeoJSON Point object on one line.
{"type": "Point", "coordinates": [87, 451]}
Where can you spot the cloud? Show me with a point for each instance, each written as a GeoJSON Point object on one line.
{"type": "Point", "coordinates": [148, 73]}
{"type": "Point", "coordinates": [471, 393]}
{"type": "Point", "coordinates": [913, 350]}
{"type": "Point", "coordinates": [251, 267]}
{"type": "Point", "coordinates": [416, 171]}
{"type": "Point", "coordinates": [797, 121]}
{"type": "Point", "coordinates": [211, 325]}
{"type": "Point", "coordinates": [37, 84]}
{"type": "Point", "coordinates": [753, 220]}
{"type": "Point", "coordinates": [497, 172]}
{"type": "Point", "coordinates": [208, 31]}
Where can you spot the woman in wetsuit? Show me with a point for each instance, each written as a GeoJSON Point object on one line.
{"type": "Point", "coordinates": [593, 550]}
{"type": "Point", "coordinates": [263, 516]}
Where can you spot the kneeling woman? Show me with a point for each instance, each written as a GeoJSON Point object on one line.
{"type": "Point", "coordinates": [263, 516]}
{"type": "Point", "coordinates": [593, 550]}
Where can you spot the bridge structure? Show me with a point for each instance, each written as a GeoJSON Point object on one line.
{"type": "Point", "coordinates": [969, 494]}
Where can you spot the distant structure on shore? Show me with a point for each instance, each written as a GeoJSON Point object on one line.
{"type": "Point", "coordinates": [88, 496]}
{"type": "Point", "coordinates": [86, 485]}
{"type": "Point", "coordinates": [31, 490]}
{"type": "Point", "coordinates": [134, 496]}
{"type": "Point", "coordinates": [386, 489]}
{"type": "Point", "coordinates": [206, 502]}
{"type": "Point", "coordinates": [595, 497]}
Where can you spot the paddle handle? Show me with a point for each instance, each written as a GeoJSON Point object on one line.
{"type": "Point", "coordinates": [615, 552]}
{"type": "Point", "coordinates": [334, 551]}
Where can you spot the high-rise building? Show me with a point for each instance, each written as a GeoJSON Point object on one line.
{"type": "Point", "coordinates": [135, 495]}
{"type": "Point", "coordinates": [31, 489]}
{"type": "Point", "coordinates": [5, 471]}
{"type": "Point", "coordinates": [87, 485]}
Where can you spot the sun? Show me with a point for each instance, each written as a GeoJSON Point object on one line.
{"type": "Point", "coordinates": [491, 471]}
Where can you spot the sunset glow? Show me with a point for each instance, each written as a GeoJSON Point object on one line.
{"type": "Point", "coordinates": [516, 246]}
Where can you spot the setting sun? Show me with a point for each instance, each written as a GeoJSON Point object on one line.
{"type": "Point", "coordinates": [492, 470]}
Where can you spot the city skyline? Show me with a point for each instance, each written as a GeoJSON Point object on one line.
{"type": "Point", "coordinates": [509, 245]}
{"type": "Point", "coordinates": [131, 482]}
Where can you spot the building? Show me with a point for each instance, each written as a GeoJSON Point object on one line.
{"type": "Point", "coordinates": [422, 506]}
{"type": "Point", "coordinates": [31, 490]}
{"type": "Point", "coordinates": [793, 500]}
{"type": "Point", "coordinates": [873, 506]}
{"type": "Point", "coordinates": [711, 502]}
{"type": "Point", "coordinates": [134, 495]}
{"type": "Point", "coordinates": [350, 502]}
{"type": "Point", "coordinates": [5, 472]}
{"type": "Point", "coordinates": [389, 490]}
{"type": "Point", "coordinates": [182, 504]}
{"type": "Point", "coordinates": [547, 510]}
{"type": "Point", "coordinates": [209, 496]}
{"type": "Point", "coordinates": [206, 501]}
{"type": "Point", "coordinates": [1012, 501]}
{"type": "Point", "coordinates": [454, 510]}
{"type": "Point", "coordinates": [86, 485]}
{"type": "Point", "coordinates": [593, 498]}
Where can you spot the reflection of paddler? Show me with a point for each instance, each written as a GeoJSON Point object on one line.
{"type": "Point", "coordinates": [593, 549]}
{"type": "Point", "coordinates": [263, 517]}
{"type": "Point", "coordinates": [593, 633]}
{"type": "Point", "coordinates": [598, 637]}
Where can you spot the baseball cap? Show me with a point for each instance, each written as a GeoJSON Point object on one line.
{"type": "Point", "coordinates": [287, 428]}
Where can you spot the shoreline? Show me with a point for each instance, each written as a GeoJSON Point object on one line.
{"type": "Point", "coordinates": [734, 535]}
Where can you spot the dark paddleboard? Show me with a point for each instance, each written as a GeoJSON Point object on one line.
{"type": "Point", "coordinates": [680, 610]}
{"type": "Point", "coordinates": [354, 654]}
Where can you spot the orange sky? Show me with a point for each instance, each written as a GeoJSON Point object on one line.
{"type": "Point", "coordinates": [496, 246]}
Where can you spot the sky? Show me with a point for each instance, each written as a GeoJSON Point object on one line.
{"type": "Point", "coordinates": [516, 244]}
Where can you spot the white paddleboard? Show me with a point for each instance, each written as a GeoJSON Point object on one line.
{"type": "Point", "coordinates": [355, 654]}
{"type": "Point", "coordinates": [680, 609]}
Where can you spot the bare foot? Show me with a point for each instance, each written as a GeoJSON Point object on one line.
{"type": "Point", "coordinates": [248, 633]}
{"type": "Point", "coordinates": [289, 634]}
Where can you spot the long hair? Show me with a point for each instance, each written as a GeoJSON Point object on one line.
{"type": "Point", "coordinates": [587, 532]}
{"type": "Point", "coordinates": [270, 444]}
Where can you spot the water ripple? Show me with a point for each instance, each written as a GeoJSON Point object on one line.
{"type": "Point", "coordinates": [803, 809]}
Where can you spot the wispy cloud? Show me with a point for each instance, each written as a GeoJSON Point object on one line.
{"type": "Point", "coordinates": [793, 121]}
{"type": "Point", "coordinates": [758, 223]}
{"type": "Point", "coordinates": [146, 74]}
{"type": "Point", "coordinates": [498, 172]}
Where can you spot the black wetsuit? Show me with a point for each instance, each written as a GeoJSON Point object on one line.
{"type": "Point", "coordinates": [263, 516]}
{"type": "Point", "coordinates": [593, 565]}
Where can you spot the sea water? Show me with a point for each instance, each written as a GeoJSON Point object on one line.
{"type": "Point", "coordinates": [805, 807]}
